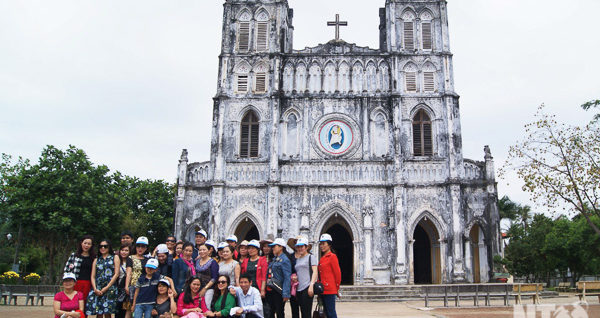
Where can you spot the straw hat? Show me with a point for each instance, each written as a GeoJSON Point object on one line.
{"type": "Point", "coordinates": [292, 242]}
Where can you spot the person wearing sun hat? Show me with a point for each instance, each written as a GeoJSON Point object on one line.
{"type": "Point", "coordinates": [199, 239]}
{"type": "Point", "coordinates": [307, 274]}
{"type": "Point", "coordinates": [243, 251]}
{"type": "Point", "coordinates": [330, 275]}
{"type": "Point", "coordinates": [69, 302]}
{"type": "Point", "coordinates": [232, 240]}
{"type": "Point", "coordinates": [135, 264]}
{"type": "Point", "coordinates": [280, 270]}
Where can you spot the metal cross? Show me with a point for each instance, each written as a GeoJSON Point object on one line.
{"type": "Point", "coordinates": [337, 23]}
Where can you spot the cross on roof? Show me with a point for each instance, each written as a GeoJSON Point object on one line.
{"type": "Point", "coordinates": [337, 23]}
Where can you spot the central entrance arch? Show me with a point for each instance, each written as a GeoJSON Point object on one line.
{"type": "Point", "coordinates": [426, 253]}
{"type": "Point", "coordinates": [247, 230]}
{"type": "Point", "coordinates": [343, 246]}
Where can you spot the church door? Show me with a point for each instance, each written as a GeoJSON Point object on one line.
{"type": "Point", "coordinates": [247, 230]}
{"type": "Point", "coordinates": [426, 254]}
{"type": "Point", "coordinates": [343, 247]}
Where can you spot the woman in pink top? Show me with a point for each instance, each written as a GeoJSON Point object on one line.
{"type": "Point", "coordinates": [68, 303]}
{"type": "Point", "coordinates": [190, 304]}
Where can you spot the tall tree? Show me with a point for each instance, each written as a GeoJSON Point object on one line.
{"type": "Point", "coordinates": [60, 198]}
{"type": "Point", "coordinates": [560, 165]}
{"type": "Point", "coordinates": [593, 104]}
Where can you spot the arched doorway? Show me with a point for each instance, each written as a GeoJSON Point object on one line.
{"type": "Point", "coordinates": [343, 245]}
{"type": "Point", "coordinates": [247, 230]}
{"type": "Point", "coordinates": [426, 253]}
{"type": "Point", "coordinates": [479, 254]}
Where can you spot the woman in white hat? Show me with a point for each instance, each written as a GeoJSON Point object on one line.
{"type": "Point", "coordinates": [68, 303]}
{"type": "Point", "coordinates": [136, 264]}
{"type": "Point", "coordinates": [307, 273]}
{"type": "Point", "coordinates": [330, 274]}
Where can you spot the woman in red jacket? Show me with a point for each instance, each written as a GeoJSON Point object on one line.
{"type": "Point", "coordinates": [256, 266]}
{"type": "Point", "coordinates": [330, 275]}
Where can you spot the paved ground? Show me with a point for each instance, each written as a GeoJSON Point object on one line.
{"type": "Point", "coordinates": [403, 309]}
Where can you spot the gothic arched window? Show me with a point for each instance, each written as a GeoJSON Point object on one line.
{"type": "Point", "coordinates": [422, 135]}
{"type": "Point", "coordinates": [249, 135]}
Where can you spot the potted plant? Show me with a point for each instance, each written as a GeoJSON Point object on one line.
{"type": "Point", "coordinates": [32, 279]}
{"type": "Point", "coordinates": [9, 278]}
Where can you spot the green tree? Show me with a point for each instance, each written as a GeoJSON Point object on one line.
{"type": "Point", "coordinates": [507, 208]}
{"type": "Point", "coordinates": [150, 208]}
{"type": "Point", "coordinates": [560, 165]}
{"type": "Point", "coordinates": [60, 198]}
{"type": "Point", "coordinates": [593, 104]}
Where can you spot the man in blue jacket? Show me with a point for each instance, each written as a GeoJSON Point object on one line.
{"type": "Point", "coordinates": [280, 270]}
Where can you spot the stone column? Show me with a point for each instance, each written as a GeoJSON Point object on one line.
{"type": "Point", "coordinates": [305, 215]}
{"type": "Point", "coordinates": [368, 212]}
{"type": "Point", "coordinates": [181, 181]}
{"type": "Point", "coordinates": [273, 215]}
{"type": "Point", "coordinates": [401, 275]}
{"type": "Point", "coordinates": [457, 229]}
{"type": "Point", "coordinates": [217, 228]}
{"type": "Point", "coordinates": [469, 261]}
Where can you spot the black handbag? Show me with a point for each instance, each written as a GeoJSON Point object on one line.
{"type": "Point", "coordinates": [274, 284]}
{"type": "Point", "coordinates": [318, 287]}
{"type": "Point", "coordinates": [319, 312]}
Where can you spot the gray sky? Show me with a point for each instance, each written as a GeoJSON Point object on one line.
{"type": "Point", "coordinates": [131, 82]}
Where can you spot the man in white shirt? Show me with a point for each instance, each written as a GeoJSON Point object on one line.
{"type": "Point", "coordinates": [248, 298]}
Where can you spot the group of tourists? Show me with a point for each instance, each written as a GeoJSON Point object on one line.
{"type": "Point", "coordinates": [252, 279]}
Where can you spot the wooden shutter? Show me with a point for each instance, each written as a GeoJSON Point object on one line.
{"type": "Point", "coordinates": [262, 36]}
{"type": "Point", "coordinates": [411, 81]}
{"type": "Point", "coordinates": [249, 136]}
{"type": "Point", "coordinates": [426, 35]}
{"type": "Point", "coordinates": [244, 36]}
{"type": "Point", "coordinates": [242, 83]}
{"type": "Point", "coordinates": [422, 135]}
{"type": "Point", "coordinates": [417, 140]}
{"type": "Point", "coordinates": [261, 82]}
{"type": "Point", "coordinates": [429, 81]}
{"type": "Point", "coordinates": [409, 36]}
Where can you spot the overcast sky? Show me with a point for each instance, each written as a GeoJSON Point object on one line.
{"type": "Point", "coordinates": [131, 82]}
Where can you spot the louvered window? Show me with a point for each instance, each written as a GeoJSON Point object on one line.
{"type": "Point", "coordinates": [242, 83]}
{"type": "Point", "coordinates": [409, 36]}
{"type": "Point", "coordinates": [261, 83]}
{"type": "Point", "coordinates": [262, 36]}
{"type": "Point", "coordinates": [426, 32]}
{"type": "Point", "coordinates": [249, 136]}
{"type": "Point", "coordinates": [411, 81]}
{"type": "Point", "coordinates": [429, 81]}
{"type": "Point", "coordinates": [422, 135]}
{"type": "Point", "coordinates": [244, 36]}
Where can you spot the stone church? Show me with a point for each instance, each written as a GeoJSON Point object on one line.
{"type": "Point", "coordinates": [362, 143]}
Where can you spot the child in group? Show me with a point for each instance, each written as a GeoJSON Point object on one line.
{"type": "Point", "coordinates": [146, 290]}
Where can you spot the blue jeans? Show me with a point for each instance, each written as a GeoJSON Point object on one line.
{"type": "Point", "coordinates": [328, 305]}
{"type": "Point", "coordinates": [144, 310]}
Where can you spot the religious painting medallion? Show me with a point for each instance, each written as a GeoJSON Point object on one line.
{"type": "Point", "coordinates": [336, 135]}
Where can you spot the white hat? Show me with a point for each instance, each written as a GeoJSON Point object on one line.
{"type": "Point", "coordinates": [244, 243]}
{"type": "Point", "coordinates": [142, 240]}
{"type": "Point", "coordinates": [222, 245]}
{"type": "Point", "coordinates": [165, 281]}
{"type": "Point", "coordinates": [232, 238]}
{"type": "Point", "coordinates": [202, 232]}
{"type": "Point", "coordinates": [325, 238]}
{"type": "Point", "coordinates": [210, 243]}
{"type": "Point", "coordinates": [69, 276]}
{"type": "Point", "coordinates": [152, 263]}
{"type": "Point", "coordinates": [302, 241]}
{"type": "Point", "coordinates": [162, 249]}
{"type": "Point", "coordinates": [254, 243]}
{"type": "Point", "coordinates": [278, 241]}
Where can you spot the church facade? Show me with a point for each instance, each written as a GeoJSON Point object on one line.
{"type": "Point", "coordinates": [361, 143]}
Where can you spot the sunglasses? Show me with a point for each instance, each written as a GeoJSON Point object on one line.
{"type": "Point", "coordinates": [103, 246]}
{"type": "Point", "coordinates": [141, 245]}
{"type": "Point", "coordinates": [171, 241]}
{"type": "Point", "coordinates": [222, 282]}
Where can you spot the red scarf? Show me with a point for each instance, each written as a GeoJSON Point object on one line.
{"type": "Point", "coordinates": [191, 266]}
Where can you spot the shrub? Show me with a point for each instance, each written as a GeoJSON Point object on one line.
{"type": "Point", "coordinates": [32, 279]}
{"type": "Point", "coordinates": [9, 278]}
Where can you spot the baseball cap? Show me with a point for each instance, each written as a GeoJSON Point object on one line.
{"type": "Point", "coordinates": [202, 232]}
{"type": "Point", "coordinates": [69, 276]}
{"type": "Point", "coordinates": [210, 243]}
{"type": "Point", "coordinates": [222, 245]}
{"type": "Point", "coordinates": [278, 241]}
{"type": "Point", "coordinates": [232, 238]}
{"type": "Point", "coordinates": [325, 238]}
{"type": "Point", "coordinates": [165, 281]}
{"type": "Point", "coordinates": [152, 263]}
{"type": "Point", "coordinates": [142, 240]}
{"type": "Point", "coordinates": [244, 243]}
{"type": "Point", "coordinates": [162, 249]}
{"type": "Point", "coordinates": [302, 241]}
{"type": "Point", "coordinates": [254, 243]}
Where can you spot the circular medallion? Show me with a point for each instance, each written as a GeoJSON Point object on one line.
{"type": "Point", "coordinates": [336, 137]}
